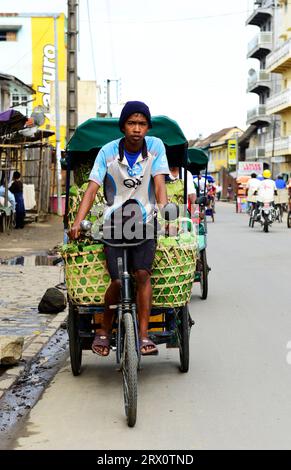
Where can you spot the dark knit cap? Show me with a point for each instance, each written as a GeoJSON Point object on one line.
{"type": "Point", "coordinates": [132, 107]}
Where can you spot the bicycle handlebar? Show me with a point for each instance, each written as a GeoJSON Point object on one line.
{"type": "Point", "coordinates": [86, 226]}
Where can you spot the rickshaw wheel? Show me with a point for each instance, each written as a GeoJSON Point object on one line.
{"type": "Point", "coordinates": [129, 367]}
{"type": "Point", "coordinates": [266, 227]}
{"type": "Point", "coordinates": [204, 275]}
{"type": "Point", "coordinates": [289, 219]}
{"type": "Point", "coordinates": [74, 340]}
{"type": "Point", "coordinates": [183, 336]}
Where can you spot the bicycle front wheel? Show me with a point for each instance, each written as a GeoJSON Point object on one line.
{"type": "Point", "coordinates": [129, 367]}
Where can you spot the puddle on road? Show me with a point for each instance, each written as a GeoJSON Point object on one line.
{"type": "Point", "coordinates": [20, 399]}
{"type": "Point", "coordinates": [36, 259]}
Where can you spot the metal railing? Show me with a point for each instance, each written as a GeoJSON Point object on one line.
{"type": "Point", "coordinates": [256, 112]}
{"type": "Point", "coordinates": [261, 40]}
{"type": "Point", "coordinates": [279, 54]}
{"type": "Point", "coordinates": [280, 100]}
{"type": "Point", "coordinates": [255, 152]}
{"type": "Point", "coordinates": [265, 9]}
{"type": "Point", "coordinates": [261, 77]}
{"type": "Point", "coordinates": [280, 144]}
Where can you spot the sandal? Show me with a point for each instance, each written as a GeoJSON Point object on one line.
{"type": "Point", "coordinates": [101, 341]}
{"type": "Point", "coordinates": [147, 343]}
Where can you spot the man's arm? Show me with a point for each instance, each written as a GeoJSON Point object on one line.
{"type": "Point", "coordinates": [160, 190]}
{"type": "Point", "coordinates": [85, 206]}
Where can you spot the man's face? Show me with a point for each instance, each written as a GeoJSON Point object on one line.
{"type": "Point", "coordinates": [135, 128]}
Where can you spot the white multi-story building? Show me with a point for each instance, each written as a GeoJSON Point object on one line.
{"type": "Point", "coordinates": [260, 81]}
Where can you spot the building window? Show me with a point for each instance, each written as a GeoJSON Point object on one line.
{"type": "Point", "coordinates": [18, 100]}
{"type": "Point", "coordinates": [7, 35]}
{"type": "Point", "coordinates": [15, 100]}
{"type": "Point", "coordinates": [24, 100]}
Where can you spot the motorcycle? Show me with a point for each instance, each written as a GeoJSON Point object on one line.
{"type": "Point", "coordinates": [266, 215]}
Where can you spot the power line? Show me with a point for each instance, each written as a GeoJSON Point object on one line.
{"type": "Point", "coordinates": [30, 51]}
{"type": "Point", "coordinates": [110, 36]}
{"type": "Point", "coordinates": [177, 20]}
{"type": "Point", "coordinates": [91, 41]}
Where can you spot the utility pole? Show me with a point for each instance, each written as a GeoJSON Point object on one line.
{"type": "Point", "coordinates": [72, 76]}
{"type": "Point", "coordinates": [58, 133]}
{"type": "Point", "coordinates": [108, 114]}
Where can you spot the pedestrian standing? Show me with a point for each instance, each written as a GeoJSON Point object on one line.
{"type": "Point", "coordinates": [16, 188]}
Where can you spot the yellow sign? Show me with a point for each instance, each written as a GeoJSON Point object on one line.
{"type": "Point", "coordinates": [44, 66]}
{"type": "Point", "coordinates": [232, 151]}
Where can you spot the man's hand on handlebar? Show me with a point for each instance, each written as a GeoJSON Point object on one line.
{"type": "Point", "coordinates": [170, 211]}
{"type": "Point", "coordinates": [75, 231]}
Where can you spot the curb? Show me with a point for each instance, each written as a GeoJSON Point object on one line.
{"type": "Point", "coordinates": [31, 349]}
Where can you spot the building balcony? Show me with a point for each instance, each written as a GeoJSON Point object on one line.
{"type": "Point", "coordinates": [254, 153]}
{"type": "Point", "coordinates": [258, 116]}
{"type": "Point", "coordinates": [280, 60]}
{"type": "Point", "coordinates": [258, 82]}
{"type": "Point", "coordinates": [280, 146]}
{"type": "Point", "coordinates": [279, 102]}
{"type": "Point", "coordinates": [260, 46]}
{"type": "Point", "coordinates": [259, 16]}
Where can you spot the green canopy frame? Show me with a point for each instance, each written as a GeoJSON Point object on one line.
{"type": "Point", "coordinates": [91, 135]}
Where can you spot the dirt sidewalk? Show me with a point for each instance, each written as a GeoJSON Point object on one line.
{"type": "Point", "coordinates": [35, 237]}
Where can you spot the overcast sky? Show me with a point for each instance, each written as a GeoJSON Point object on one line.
{"type": "Point", "coordinates": [185, 59]}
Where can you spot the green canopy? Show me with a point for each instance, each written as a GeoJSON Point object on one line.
{"type": "Point", "coordinates": [197, 159]}
{"type": "Point", "coordinates": [96, 132]}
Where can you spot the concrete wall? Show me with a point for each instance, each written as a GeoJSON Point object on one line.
{"type": "Point", "coordinates": [88, 102]}
{"type": "Point", "coordinates": [16, 56]}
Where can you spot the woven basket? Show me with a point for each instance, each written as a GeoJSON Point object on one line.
{"type": "Point", "coordinates": [87, 277]}
{"type": "Point", "coordinates": [173, 275]}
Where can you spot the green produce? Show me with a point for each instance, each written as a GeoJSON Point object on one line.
{"type": "Point", "coordinates": [84, 186]}
{"type": "Point", "coordinates": [74, 190]}
{"type": "Point", "coordinates": [187, 239]}
{"type": "Point", "coordinates": [168, 241]}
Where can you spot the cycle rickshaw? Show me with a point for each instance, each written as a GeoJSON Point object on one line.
{"type": "Point", "coordinates": [87, 278]}
{"type": "Point", "coordinates": [198, 161]}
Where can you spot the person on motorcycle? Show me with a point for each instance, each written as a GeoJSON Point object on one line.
{"type": "Point", "coordinates": [252, 186]}
{"type": "Point", "coordinates": [132, 170]}
{"type": "Point", "coordinates": [280, 183]}
{"type": "Point", "coordinates": [266, 189]}
{"type": "Point", "coordinates": [211, 192]}
{"type": "Point", "coordinates": [201, 184]}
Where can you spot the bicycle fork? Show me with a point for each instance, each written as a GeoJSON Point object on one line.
{"type": "Point", "coordinates": [126, 306]}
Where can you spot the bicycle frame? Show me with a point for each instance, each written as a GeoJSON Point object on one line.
{"type": "Point", "coordinates": [126, 304]}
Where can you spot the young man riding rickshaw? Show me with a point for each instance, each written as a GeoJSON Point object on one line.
{"type": "Point", "coordinates": [132, 170]}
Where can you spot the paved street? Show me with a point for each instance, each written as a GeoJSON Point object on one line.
{"type": "Point", "coordinates": [237, 392]}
